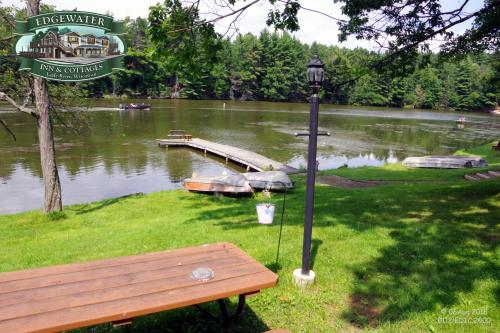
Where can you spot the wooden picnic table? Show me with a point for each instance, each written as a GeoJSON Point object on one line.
{"type": "Point", "coordinates": [179, 134]}
{"type": "Point", "coordinates": [64, 297]}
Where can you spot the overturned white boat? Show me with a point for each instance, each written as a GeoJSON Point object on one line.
{"type": "Point", "coordinates": [270, 180]}
{"type": "Point", "coordinates": [445, 162]}
{"type": "Point", "coordinates": [225, 184]}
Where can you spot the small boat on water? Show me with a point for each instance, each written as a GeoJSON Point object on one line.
{"type": "Point", "coordinates": [496, 112]}
{"type": "Point", "coordinates": [270, 180]}
{"type": "Point", "coordinates": [135, 106]}
{"type": "Point", "coordinates": [225, 184]}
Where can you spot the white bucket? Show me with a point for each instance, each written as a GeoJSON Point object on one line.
{"type": "Point", "coordinates": [265, 213]}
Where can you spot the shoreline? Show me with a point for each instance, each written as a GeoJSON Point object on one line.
{"type": "Point", "coordinates": [356, 174]}
{"type": "Point", "coordinates": [348, 106]}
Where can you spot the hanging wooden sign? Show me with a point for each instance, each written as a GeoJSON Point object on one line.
{"type": "Point", "coordinates": [70, 45]}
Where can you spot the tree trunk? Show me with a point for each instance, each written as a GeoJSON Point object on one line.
{"type": "Point", "coordinates": [176, 94]}
{"type": "Point", "coordinates": [52, 185]}
{"type": "Point", "coordinates": [50, 175]}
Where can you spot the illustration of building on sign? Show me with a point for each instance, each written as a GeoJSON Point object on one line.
{"type": "Point", "coordinates": [68, 44]}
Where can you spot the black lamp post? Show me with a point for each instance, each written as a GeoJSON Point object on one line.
{"type": "Point", "coordinates": [315, 80]}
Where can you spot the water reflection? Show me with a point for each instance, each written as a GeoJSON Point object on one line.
{"type": "Point", "coordinates": [118, 155]}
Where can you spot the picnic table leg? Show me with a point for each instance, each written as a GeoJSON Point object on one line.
{"type": "Point", "coordinates": [226, 319]}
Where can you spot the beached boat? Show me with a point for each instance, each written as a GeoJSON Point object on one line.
{"type": "Point", "coordinates": [135, 106]}
{"type": "Point", "coordinates": [225, 184]}
{"type": "Point", "coordinates": [270, 180]}
{"type": "Point", "coordinates": [445, 162]}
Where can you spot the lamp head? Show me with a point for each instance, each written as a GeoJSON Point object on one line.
{"type": "Point", "coordinates": [315, 72]}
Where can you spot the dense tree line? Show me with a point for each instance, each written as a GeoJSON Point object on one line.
{"type": "Point", "coordinates": [271, 67]}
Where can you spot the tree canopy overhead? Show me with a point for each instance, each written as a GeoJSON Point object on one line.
{"type": "Point", "coordinates": [402, 28]}
{"type": "Point", "coordinates": [410, 25]}
{"type": "Point", "coordinates": [399, 26]}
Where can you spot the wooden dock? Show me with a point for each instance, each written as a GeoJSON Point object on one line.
{"type": "Point", "coordinates": [246, 158]}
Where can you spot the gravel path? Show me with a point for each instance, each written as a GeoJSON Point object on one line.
{"type": "Point", "coordinates": [348, 183]}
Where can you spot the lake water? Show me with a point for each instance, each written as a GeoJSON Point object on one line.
{"type": "Point", "coordinates": [117, 155]}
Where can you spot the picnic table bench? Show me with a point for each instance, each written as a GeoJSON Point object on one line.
{"type": "Point", "coordinates": [65, 297]}
{"type": "Point", "coordinates": [179, 134]}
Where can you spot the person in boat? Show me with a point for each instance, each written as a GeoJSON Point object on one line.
{"type": "Point", "coordinates": [134, 106]}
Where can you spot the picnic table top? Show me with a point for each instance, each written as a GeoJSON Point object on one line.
{"type": "Point", "coordinates": [69, 296]}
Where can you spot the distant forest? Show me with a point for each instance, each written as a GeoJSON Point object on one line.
{"type": "Point", "coordinates": [272, 67]}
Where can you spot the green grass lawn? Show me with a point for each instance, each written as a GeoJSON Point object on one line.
{"type": "Point", "coordinates": [393, 258]}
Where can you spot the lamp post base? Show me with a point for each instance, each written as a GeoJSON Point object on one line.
{"type": "Point", "coordinates": [302, 280]}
